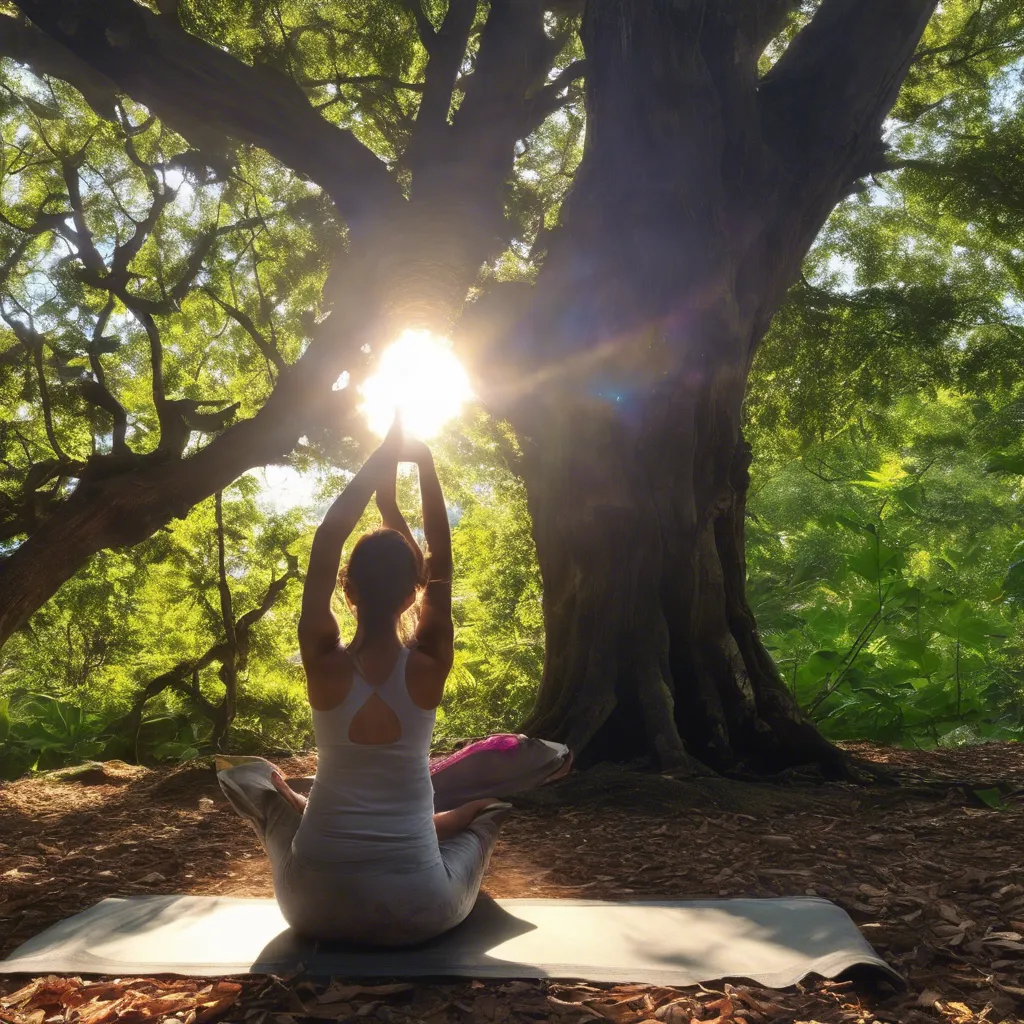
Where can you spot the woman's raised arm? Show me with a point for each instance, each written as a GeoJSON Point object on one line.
{"type": "Point", "coordinates": [435, 633]}
{"type": "Point", "coordinates": [318, 628]}
{"type": "Point", "coordinates": [392, 518]}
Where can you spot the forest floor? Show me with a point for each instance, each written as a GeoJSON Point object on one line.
{"type": "Point", "coordinates": [932, 872]}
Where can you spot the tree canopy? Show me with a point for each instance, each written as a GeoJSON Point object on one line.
{"type": "Point", "coordinates": [201, 205]}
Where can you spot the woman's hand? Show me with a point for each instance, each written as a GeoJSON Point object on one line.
{"type": "Point", "coordinates": [400, 447]}
{"type": "Point", "coordinates": [386, 456]}
{"type": "Point", "coordinates": [392, 443]}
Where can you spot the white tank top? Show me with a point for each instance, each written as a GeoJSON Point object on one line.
{"type": "Point", "coordinates": [372, 804]}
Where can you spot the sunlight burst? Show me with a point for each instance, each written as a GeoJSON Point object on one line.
{"type": "Point", "coordinates": [420, 375]}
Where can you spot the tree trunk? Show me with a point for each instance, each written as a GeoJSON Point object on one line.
{"type": "Point", "coordinates": [694, 205]}
{"type": "Point", "coordinates": [652, 649]}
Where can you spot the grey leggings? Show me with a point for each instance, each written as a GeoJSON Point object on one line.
{"type": "Point", "coordinates": [377, 905]}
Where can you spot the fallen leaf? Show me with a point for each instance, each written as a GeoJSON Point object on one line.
{"type": "Point", "coordinates": [564, 1006]}
{"type": "Point", "coordinates": [342, 993]}
{"type": "Point", "coordinates": [617, 1013]}
{"type": "Point", "coordinates": [870, 890]}
{"type": "Point", "coordinates": [678, 1012]}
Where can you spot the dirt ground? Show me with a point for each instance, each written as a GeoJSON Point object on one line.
{"type": "Point", "coordinates": [931, 869]}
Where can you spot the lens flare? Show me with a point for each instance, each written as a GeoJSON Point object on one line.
{"type": "Point", "coordinates": [420, 376]}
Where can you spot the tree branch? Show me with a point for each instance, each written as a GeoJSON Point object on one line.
{"type": "Point", "coordinates": [184, 677]}
{"type": "Point", "coordinates": [81, 237]}
{"type": "Point", "coordinates": [552, 96]}
{"type": "Point", "coordinates": [25, 44]}
{"type": "Point", "coordinates": [274, 591]}
{"type": "Point", "coordinates": [96, 391]}
{"type": "Point", "coordinates": [837, 80]}
{"type": "Point", "coordinates": [119, 502]}
{"type": "Point", "coordinates": [340, 80]}
{"type": "Point", "coordinates": [200, 91]}
{"type": "Point", "coordinates": [446, 50]}
{"type": "Point", "coordinates": [19, 515]}
{"type": "Point", "coordinates": [195, 261]}
{"type": "Point", "coordinates": [226, 614]}
{"type": "Point", "coordinates": [457, 193]}
{"type": "Point", "coordinates": [168, 427]}
{"type": "Point", "coordinates": [267, 350]}
{"type": "Point", "coordinates": [229, 664]}
{"type": "Point", "coordinates": [33, 342]}
{"type": "Point", "coordinates": [513, 60]}
{"type": "Point", "coordinates": [761, 22]}
{"type": "Point", "coordinates": [423, 27]}
{"type": "Point", "coordinates": [821, 109]}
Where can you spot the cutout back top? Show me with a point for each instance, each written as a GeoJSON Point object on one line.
{"type": "Point", "coordinates": [372, 804]}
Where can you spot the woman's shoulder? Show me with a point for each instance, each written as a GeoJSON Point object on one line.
{"type": "Point", "coordinates": [424, 679]}
{"type": "Point", "coordinates": [329, 678]}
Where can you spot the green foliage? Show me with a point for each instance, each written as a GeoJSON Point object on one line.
{"type": "Point", "coordinates": [875, 567]}
{"type": "Point", "coordinates": [39, 732]}
{"type": "Point", "coordinates": [885, 411]}
{"type": "Point", "coordinates": [43, 732]}
{"type": "Point", "coordinates": [499, 638]}
{"type": "Point", "coordinates": [129, 617]}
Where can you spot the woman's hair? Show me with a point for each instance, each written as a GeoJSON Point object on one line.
{"type": "Point", "coordinates": [380, 576]}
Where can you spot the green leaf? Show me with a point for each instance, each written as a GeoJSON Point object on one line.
{"type": "Point", "coordinates": [808, 571]}
{"type": "Point", "coordinates": [1013, 584]}
{"type": "Point", "coordinates": [991, 798]}
{"type": "Point", "coordinates": [875, 562]}
{"type": "Point", "coordinates": [910, 497]}
{"type": "Point", "coordinates": [918, 652]}
{"type": "Point", "coordinates": [866, 565]}
{"type": "Point", "coordinates": [1006, 462]}
{"type": "Point", "coordinates": [850, 523]}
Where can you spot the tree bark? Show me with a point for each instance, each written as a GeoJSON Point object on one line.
{"type": "Point", "coordinates": [652, 649]}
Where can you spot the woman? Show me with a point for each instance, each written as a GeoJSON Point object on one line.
{"type": "Point", "coordinates": [385, 851]}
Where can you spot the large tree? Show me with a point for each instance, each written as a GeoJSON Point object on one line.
{"type": "Point", "coordinates": [425, 147]}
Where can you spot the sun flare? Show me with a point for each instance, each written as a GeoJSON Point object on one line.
{"type": "Point", "coordinates": [419, 375]}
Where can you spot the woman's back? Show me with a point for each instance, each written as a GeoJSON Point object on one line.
{"type": "Point", "coordinates": [372, 802]}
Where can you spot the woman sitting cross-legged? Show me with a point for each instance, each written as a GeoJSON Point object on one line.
{"type": "Point", "coordinates": [388, 850]}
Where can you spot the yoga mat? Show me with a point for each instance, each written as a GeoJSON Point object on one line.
{"type": "Point", "coordinates": [775, 942]}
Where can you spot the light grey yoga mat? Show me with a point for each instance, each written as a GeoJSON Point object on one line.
{"type": "Point", "coordinates": [774, 942]}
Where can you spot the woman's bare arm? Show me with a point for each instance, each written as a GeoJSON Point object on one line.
{"type": "Point", "coordinates": [435, 634]}
{"type": "Point", "coordinates": [318, 628]}
{"type": "Point", "coordinates": [392, 518]}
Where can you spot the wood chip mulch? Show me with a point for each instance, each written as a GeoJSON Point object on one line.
{"type": "Point", "coordinates": [932, 870]}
